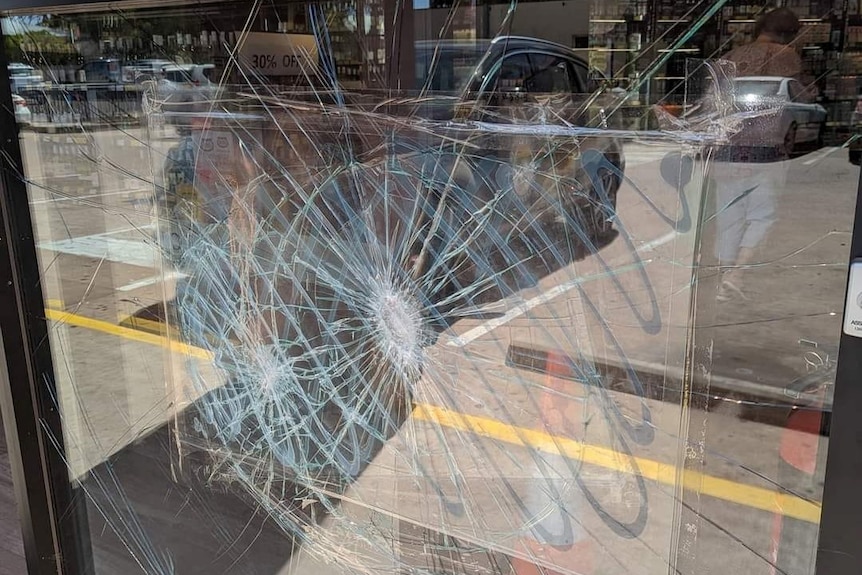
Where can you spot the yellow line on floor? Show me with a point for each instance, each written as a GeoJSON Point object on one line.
{"type": "Point", "coordinates": [142, 324]}
{"type": "Point", "coordinates": [748, 495]}
{"type": "Point", "coordinates": [125, 332]}
{"type": "Point", "coordinates": [741, 493]}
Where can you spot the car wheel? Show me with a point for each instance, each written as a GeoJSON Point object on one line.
{"type": "Point", "coordinates": [603, 176]}
{"type": "Point", "coordinates": [789, 144]}
{"type": "Point", "coordinates": [821, 135]}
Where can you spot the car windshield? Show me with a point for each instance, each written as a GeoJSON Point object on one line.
{"type": "Point", "coordinates": [447, 68]}
{"type": "Point", "coordinates": [758, 87]}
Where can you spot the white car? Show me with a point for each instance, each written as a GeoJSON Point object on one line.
{"type": "Point", "coordinates": [140, 71]}
{"type": "Point", "coordinates": [24, 77]}
{"type": "Point", "coordinates": [790, 116]}
{"type": "Point", "coordinates": [186, 83]}
{"type": "Point", "coordinates": [22, 113]}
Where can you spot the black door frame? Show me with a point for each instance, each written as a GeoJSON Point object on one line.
{"type": "Point", "coordinates": [840, 524]}
{"type": "Point", "coordinates": [52, 510]}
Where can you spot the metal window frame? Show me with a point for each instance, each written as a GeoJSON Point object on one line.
{"type": "Point", "coordinates": [31, 7]}
{"type": "Point", "coordinates": [840, 527]}
{"type": "Point", "coordinates": [51, 509]}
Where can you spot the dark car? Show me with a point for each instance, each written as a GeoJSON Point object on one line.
{"type": "Point", "coordinates": [493, 80]}
{"type": "Point", "coordinates": [102, 71]}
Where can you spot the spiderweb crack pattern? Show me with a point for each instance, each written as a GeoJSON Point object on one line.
{"type": "Point", "coordinates": [329, 238]}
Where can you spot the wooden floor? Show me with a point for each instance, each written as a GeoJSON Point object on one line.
{"type": "Point", "coordinates": [11, 547]}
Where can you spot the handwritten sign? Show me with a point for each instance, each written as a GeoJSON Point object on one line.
{"type": "Point", "coordinates": [276, 54]}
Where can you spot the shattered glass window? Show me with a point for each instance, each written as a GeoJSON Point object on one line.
{"type": "Point", "coordinates": [383, 287]}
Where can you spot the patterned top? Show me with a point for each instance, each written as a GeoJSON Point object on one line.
{"type": "Point", "coordinates": [763, 58]}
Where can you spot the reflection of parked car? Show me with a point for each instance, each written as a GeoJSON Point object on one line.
{"type": "Point", "coordinates": [142, 70]}
{"type": "Point", "coordinates": [359, 211]}
{"type": "Point", "coordinates": [566, 184]}
{"type": "Point", "coordinates": [22, 112]}
{"type": "Point", "coordinates": [791, 117]}
{"type": "Point", "coordinates": [23, 77]}
{"type": "Point", "coordinates": [184, 83]}
{"type": "Point", "coordinates": [506, 82]}
{"type": "Point", "coordinates": [509, 79]}
{"type": "Point", "coordinates": [529, 191]}
{"type": "Point", "coordinates": [103, 71]}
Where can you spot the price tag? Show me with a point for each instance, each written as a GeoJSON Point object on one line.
{"type": "Point", "coordinates": [276, 54]}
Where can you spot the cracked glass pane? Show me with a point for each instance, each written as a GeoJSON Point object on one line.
{"type": "Point", "coordinates": [435, 287]}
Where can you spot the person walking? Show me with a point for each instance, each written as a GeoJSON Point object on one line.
{"type": "Point", "coordinates": [753, 168]}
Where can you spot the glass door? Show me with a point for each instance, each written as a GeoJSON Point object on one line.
{"type": "Point", "coordinates": [504, 314]}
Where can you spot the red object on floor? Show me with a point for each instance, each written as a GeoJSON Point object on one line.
{"type": "Point", "coordinates": [580, 556]}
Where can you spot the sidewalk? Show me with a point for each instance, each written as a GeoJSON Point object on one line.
{"type": "Point", "coordinates": [460, 480]}
{"type": "Point", "coordinates": [460, 467]}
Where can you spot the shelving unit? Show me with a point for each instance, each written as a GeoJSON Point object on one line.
{"type": "Point", "coordinates": [355, 31]}
{"type": "Point", "coordinates": [618, 29]}
{"type": "Point", "coordinates": [641, 33]}
{"type": "Point", "coordinates": [358, 47]}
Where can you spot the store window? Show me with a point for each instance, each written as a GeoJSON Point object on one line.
{"type": "Point", "coordinates": [375, 287]}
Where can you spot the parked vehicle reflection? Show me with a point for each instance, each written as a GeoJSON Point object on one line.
{"type": "Point", "coordinates": [22, 113]}
{"type": "Point", "coordinates": [791, 117]}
